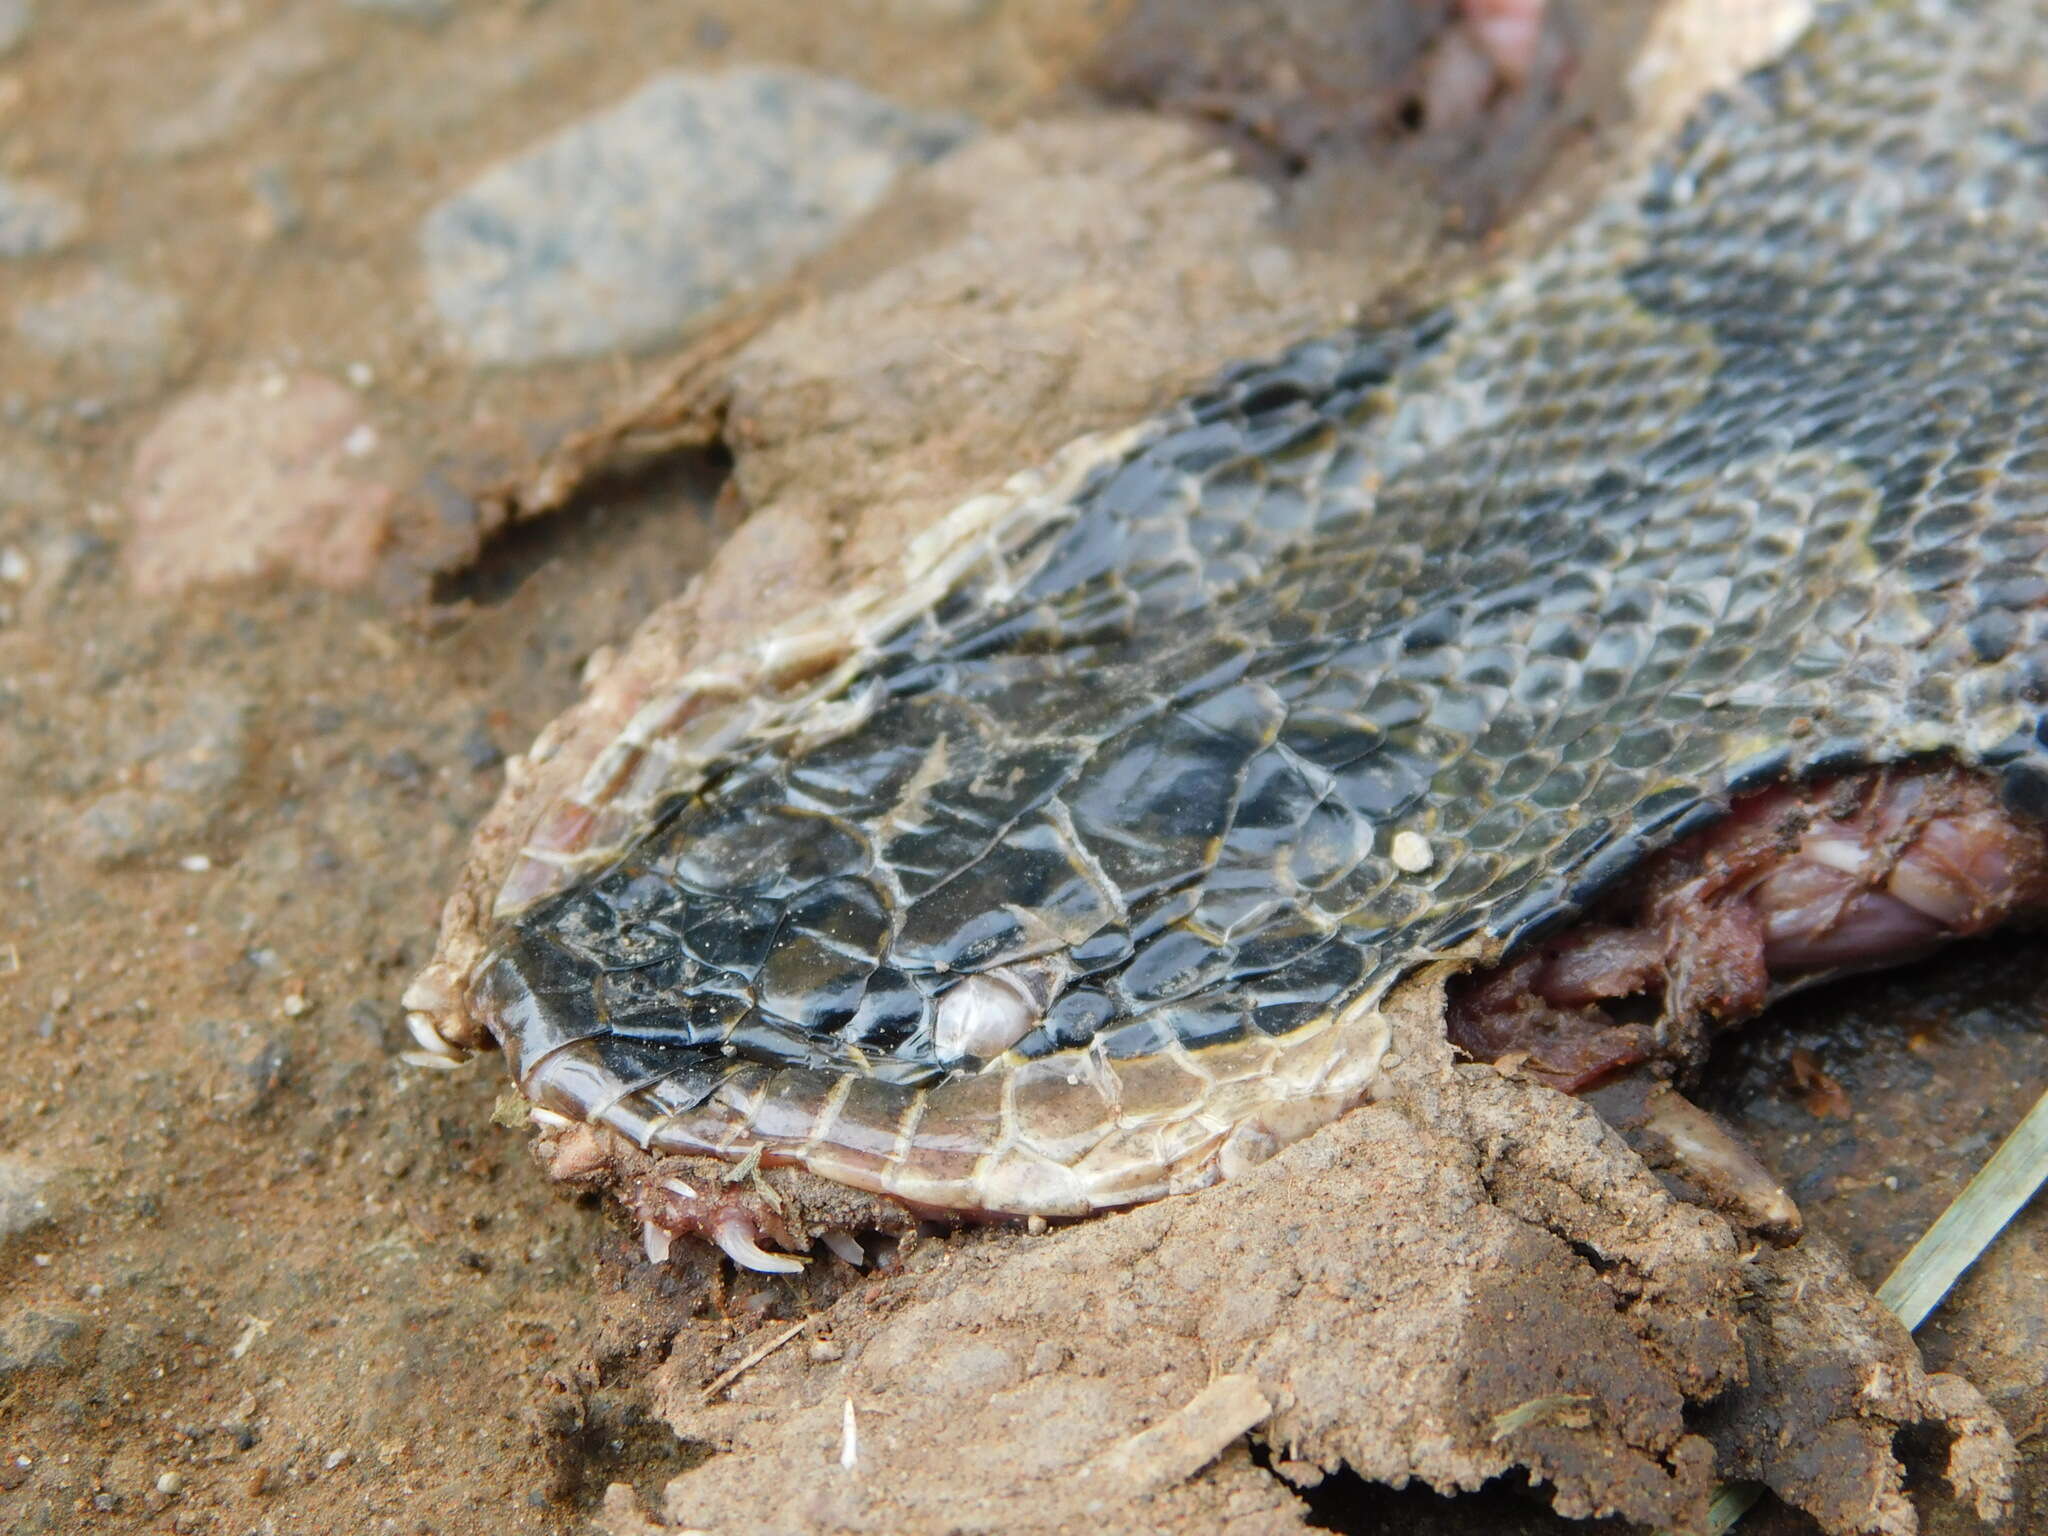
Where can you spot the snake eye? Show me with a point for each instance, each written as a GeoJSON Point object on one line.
{"type": "Point", "coordinates": [987, 1013]}
{"type": "Point", "coordinates": [982, 1017]}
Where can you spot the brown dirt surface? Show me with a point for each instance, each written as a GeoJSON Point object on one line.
{"type": "Point", "coordinates": [256, 1275]}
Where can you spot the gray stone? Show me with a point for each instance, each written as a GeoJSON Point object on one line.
{"type": "Point", "coordinates": [35, 220]}
{"type": "Point", "coordinates": [244, 88]}
{"type": "Point", "coordinates": [424, 13]}
{"type": "Point", "coordinates": [127, 824]}
{"type": "Point", "coordinates": [16, 16]}
{"type": "Point", "coordinates": [190, 769]}
{"type": "Point", "coordinates": [35, 1341]}
{"type": "Point", "coordinates": [42, 569]}
{"type": "Point", "coordinates": [203, 751]}
{"type": "Point", "coordinates": [252, 1063]}
{"type": "Point", "coordinates": [108, 328]}
{"type": "Point", "coordinates": [941, 12]}
{"type": "Point", "coordinates": [25, 1202]}
{"type": "Point", "coordinates": [279, 209]}
{"type": "Point", "coordinates": [622, 228]}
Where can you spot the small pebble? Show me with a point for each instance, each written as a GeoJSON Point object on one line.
{"type": "Point", "coordinates": [941, 12]}
{"type": "Point", "coordinates": [36, 221]}
{"type": "Point", "coordinates": [190, 769]}
{"type": "Point", "coordinates": [247, 82]}
{"type": "Point", "coordinates": [127, 824]}
{"type": "Point", "coordinates": [108, 328]}
{"type": "Point", "coordinates": [256, 479]}
{"type": "Point", "coordinates": [170, 1482]}
{"type": "Point", "coordinates": [43, 1340]}
{"type": "Point", "coordinates": [23, 1197]}
{"type": "Point", "coordinates": [421, 13]}
{"type": "Point", "coordinates": [278, 210]}
{"type": "Point", "coordinates": [203, 752]}
{"type": "Point", "coordinates": [1411, 852]}
{"type": "Point", "coordinates": [479, 751]}
{"type": "Point", "coordinates": [16, 16]}
{"type": "Point", "coordinates": [252, 1063]}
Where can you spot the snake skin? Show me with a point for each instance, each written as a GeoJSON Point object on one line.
{"type": "Point", "coordinates": [1404, 646]}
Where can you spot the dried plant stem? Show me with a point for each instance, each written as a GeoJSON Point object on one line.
{"type": "Point", "coordinates": [1998, 1193]}
{"type": "Point", "coordinates": [727, 1378]}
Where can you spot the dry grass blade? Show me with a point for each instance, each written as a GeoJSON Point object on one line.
{"type": "Point", "coordinates": [727, 1378]}
{"type": "Point", "coordinates": [1960, 1235]}
{"type": "Point", "coordinates": [1730, 1503]}
{"type": "Point", "coordinates": [2000, 1190]}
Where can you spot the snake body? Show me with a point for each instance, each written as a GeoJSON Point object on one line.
{"type": "Point", "coordinates": [1081, 878]}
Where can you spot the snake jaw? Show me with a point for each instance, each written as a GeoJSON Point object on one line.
{"type": "Point", "coordinates": [436, 1050]}
{"type": "Point", "coordinates": [761, 1225]}
{"type": "Point", "coordinates": [437, 1020]}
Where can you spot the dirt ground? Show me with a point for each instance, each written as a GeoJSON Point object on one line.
{"type": "Point", "coordinates": [258, 1275]}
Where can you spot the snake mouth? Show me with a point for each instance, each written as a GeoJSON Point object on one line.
{"type": "Point", "coordinates": [1796, 885]}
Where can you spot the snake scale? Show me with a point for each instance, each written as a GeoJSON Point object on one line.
{"type": "Point", "coordinates": [1076, 871]}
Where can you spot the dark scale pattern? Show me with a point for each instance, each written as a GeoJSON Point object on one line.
{"type": "Point", "coordinates": [1748, 479]}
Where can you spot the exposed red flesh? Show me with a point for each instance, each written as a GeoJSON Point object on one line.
{"type": "Point", "coordinates": [1796, 881]}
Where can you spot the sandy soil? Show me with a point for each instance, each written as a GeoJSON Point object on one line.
{"type": "Point", "coordinates": [257, 1275]}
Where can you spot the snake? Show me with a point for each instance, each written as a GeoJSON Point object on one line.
{"type": "Point", "coordinates": [1073, 866]}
